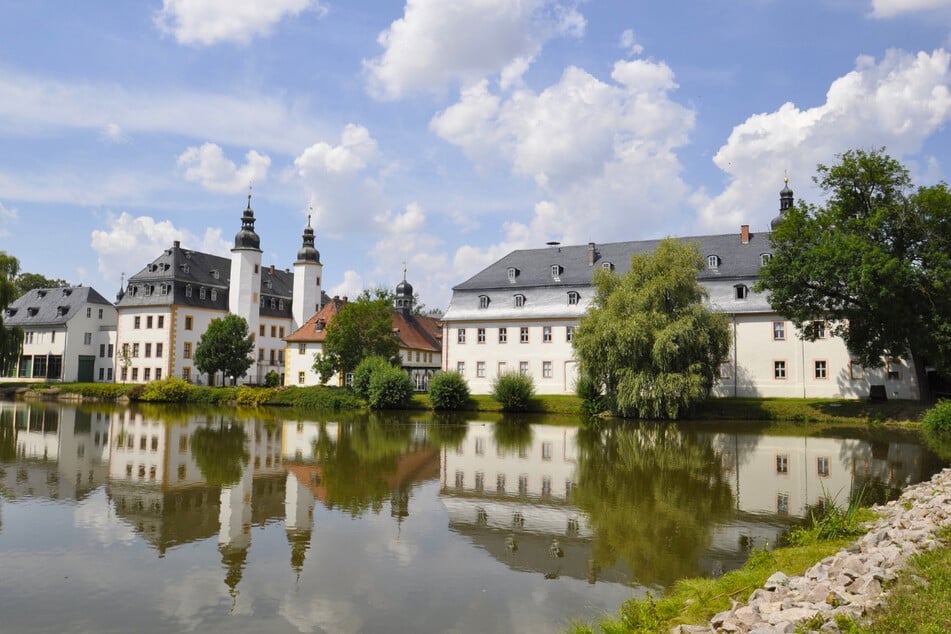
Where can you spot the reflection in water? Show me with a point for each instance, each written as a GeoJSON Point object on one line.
{"type": "Point", "coordinates": [575, 516]}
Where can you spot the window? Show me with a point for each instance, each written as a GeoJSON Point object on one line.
{"type": "Point", "coordinates": [158, 374]}
{"type": "Point", "coordinates": [779, 331]}
{"type": "Point", "coordinates": [102, 374]}
{"type": "Point", "coordinates": [782, 504]}
{"type": "Point", "coordinates": [187, 374]}
{"type": "Point", "coordinates": [88, 312]}
{"type": "Point", "coordinates": [893, 368]}
{"type": "Point", "coordinates": [779, 370]}
{"type": "Point", "coordinates": [501, 368]}
{"type": "Point", "coordinates": [188, 290]}
{"type": "Point", "coordinates": [301, 377]}
{"type": "Point", "coordinates": [546, 369]}
{"type": "Point", "coordinates": [503, 335]}
{"type": "Point", "coordinates": [301, 348]}
{"type": "Point", "coordinates": [483, 301]}
{"type": "Point", "coordinates": [272, 356]}
{"type": "Point", "coordinates": [109, 351]}
{"type": "Point", "coordinates": [480, 369]}
{"type": "Point", "coordinates": [822, 466]}
{"type": "Point", "coordinates": [523, 334]}
{"type": "Point", "coordinates": [125, 374]}
{"type": "Point", "coordinates": [214, 295]}
{"type": "Point", "coordinates": [726, 370]}
{"type": "Point", "coordinates": [523, 484]}
{"type": "Point", "coordinates": [523, 367]}
{"type": "Point", "coordinates": [108, 374]}
{"type": "Point", "coordinates": [161, 321]}
{"type": "Point", "coordinates": [819, 329]}
{"type": "Point", "coordinates": [856, 370]}
{"type": "Point", "coordinates": [480, 446]}
{"type": "Point", "coordinates": [261, 354]}
{"type": "Point", "coordinates": [546, 450]}
{"type": "Point", "coordinates": [280, 332]}
{"type": "Point", "coordinates": [137, 322]}
{"type": "Point", "coordinates": [53, 337]}
{"type": "Point", "coordinates": [480, 337]}
{"type": "Point", "coordinates": [607, 266]}
{"type": "Point", "coordinates": [202, 292]}
{"type": "Point", "coordinates": [741, 291]}
{"type": "Point", "coordinates": [164, 289]}
{"type": "Point", "coordinates": [764, 258]}
{"type": "Point", "coordinates": [713, 262]}
{"type": "Point", "coordinates": [461, 335]}
{"type": "Point", "coordinates": [148, 321]}
{"type": "Point", "coordinates": [573, 298]}
{"type": "Point", "coordinates": [100, 313]}
{"type": "Point", "coordinates": [102, 350]}
{"type": "Point", "coordinates": [512, 273]}
{"type": "Point", "coordinates": [273, 303]}
{"type": "Point", "coordinates": [569, 333]}
{"type": "Point", "coordinates": [280, 304]}
{"type": "Point", "coordinates": [87, 338]}
{"type": "Point", "coordinates": [820, 369]}
{"type": "Point", "coordinates": [500, 483]}
{"type": "Point", "coordinates": [546, 334]}
{"type": "Point", "coordinates": [159, 349]}
{"type": "Point", "coordinates": [556, 272]}
{"type": "Point", "coordinates": [519, 301]}
{"type": "Point", "coordinates": [214, 273]}
{"type": "Point", "coordinates": [135, 374]}
{"type": "Point", "coordinates": [148, 350]}
{"type": "Point", "coordinates": [274, 331]}
{"type": "Point", "coordinates": [147, 374]}
{"type": "Point", "coordinates": [187, 350]}
{"type": "Point", "coordinates": [189, 322]}
{"type": "Point", "coordinates": [461, 367]}
{"type": "Point", "coordinates": [262, 330]}
{"type": "Point", "coordinates": [135, 350]}
{"type": "Point", "coordinates": [782, 463]}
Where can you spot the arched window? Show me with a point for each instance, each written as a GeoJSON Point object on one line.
{"type": "Point", "coordinates": [512, 273]}
{"type": "Point", "coordinates": [483, 301]}
{"type": "Point", "coordinates": [188, 290]}
{"type": "Point", "coordinates": [607, 266]}
{"type": "Point", "coordinates": [713, 262]}
{"type": "Point", "coordinates": [741, 291]}
{"type": "Point", "coordinates": [519, 300]}
{"type": "Point", "coordinates": [764, 258]}
{"type": "Point", "coordinates": [573, 298]}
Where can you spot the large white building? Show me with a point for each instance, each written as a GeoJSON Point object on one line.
{"type": "Point", "coordinates": [167, 306]}
{"type": "Point", "coordinates": [519, 314]}
{"type": "Point", "coordinates": [68, 335]}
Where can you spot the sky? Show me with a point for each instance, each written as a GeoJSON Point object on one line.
{"type": "Point", "coordinates": [440, 135]}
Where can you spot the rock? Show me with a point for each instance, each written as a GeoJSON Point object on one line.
{"type": "Point", "coordinates": [776, 580]}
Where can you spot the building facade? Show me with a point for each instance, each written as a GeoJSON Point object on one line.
{"type": "Point", "coordinates": [520, 313]}
{"type": "Point", "coordinates": [68, 335]}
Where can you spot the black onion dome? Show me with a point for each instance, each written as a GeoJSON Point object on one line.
{"type": "Point", "coordinates": [785, 202]}
{"type": "Point", "coordinates": [404, 289]}
{"type": "Point", "coordinates": [247, 238]}
{"type": "Point", "coordinates": [307, 252]}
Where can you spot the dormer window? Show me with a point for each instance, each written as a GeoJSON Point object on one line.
{"type": "Point", "coordinates": [556, 272]}
{"type": "Point", "coordinates": [184, 268]}
{"type": "Point", "coordinates": [713, 262]}
{"type": "Point", "coordinates": [607, 266]}
{"type": "Point", "coordinates": [764, 258]}
{"type": "Point", "coordinates": [133, 290]}
{"type": "Point", "coordinates": [214, 273]}
{"type": "Point", "coordinates": [67, 292]}
{"type": "Point", "coordinates": [165, 288]}
{"type": "Point", "coordinates": [483, 301]}
{"type": "Point", "coordinates": [11, 312]}
{"type": "Point", "coordinates": [741, 291]}
{"type": "Point", "coordinates": [202, 292]}
{"type": "Point", "coordinates": [61, 310]}
{"type": "Point", "coordinates": [573, 298]}
{"type": "Point", "coordinates": [214, 295]}
{"type": "Point", "coordinates": [280, 304]}
{"type": "Point", "coordinates": [273, 304]}
{"type": "Point", "coordinates": [41, 293]}
{"type": "Point", "coordinates": [519, 300]}
{"type": "Point", "coordinates": [268, 284]}
{"type": "Point", "coordinates": [32, 310]}
{"type": "Point", "coordinates": [512, 273]}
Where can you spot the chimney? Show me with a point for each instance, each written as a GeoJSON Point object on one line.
{"type": "Point", "coordinates": [272, 269]}
{"type": "Point", "coordinates": [591, 254]}
{"type": "Point", "coordinates": [744, 234]}
{"type": "Point", "coordinates": [177, 244]}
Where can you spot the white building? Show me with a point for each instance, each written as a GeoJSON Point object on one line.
{"type": "Point", "coordinates": [68, 335]}
{"type": "Point", "coordinates": [519, 314]}
{"type": "Point", "coordinates": [168, 305]}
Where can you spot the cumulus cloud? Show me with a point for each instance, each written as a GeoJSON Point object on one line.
{"type": "Point", "coordinates": [351, 285]}
{"type": "Point", "coordinates": [8, 216]}
{"type": "Point", "coordinates": [208, 166]}
{"type": "Point", "coordinates": [629, 44]}
{"type": "Point", "coordinates": [113, 132]}
{"type": "Point", "coordinates": [121, 247]}
{"type": "Point", "coordinates": [356, 150]}
{"type": "Point", "coordinates": [897, 103]}
{"type": "Point", "coordinates": [892, 8]}
{"type": "Point", "coordinates": [206, 22]}
{"type": "Point", "coordinates": [437, 42]}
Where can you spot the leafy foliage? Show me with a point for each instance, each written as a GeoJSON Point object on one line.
{"type": "Point", "coordinates": [226, 347]}
{"type": "Point", "coordinates": [168, 390]}
{"type": "Point", "coordinates": [26, 282]}
{"type": "Point", "coordinates": [272, 379]}
{"type": "Point", "coordinates": [254, 396]}
{"type": "Point", "coordinates": [875, 261]}
{"type": "Point", "coordinates": [364, 372]}
{"type": "Point", "coordinates": [648, 343]}
{"type": "Point", "coordinates": [513, 391]}
{"type": "Point", "coordinates": [360, 329]}
{"type": "Point", "coordinates": [448, 391]}
{"type": "Point", "coordinates": [390, 388]}
{"type": "Point", "coordinates": [938, 418]}
{"type": "Point", "coordinates": [316, 397]}
{"type": "Point", "coordinates": [11, 339]}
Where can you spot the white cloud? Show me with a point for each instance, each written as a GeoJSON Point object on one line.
{"type": "Point", "coordinates": [128, 239]}
{"type": "Point", "coordinates": [350, 287]}
{"type": "Point", "coordinates": [208, 166]}
{"type": "Point", "coordinates": [411, 220]}
{"type": "Point", "coordinates": [891, 8]}
{"type": "Point", "coordinates": [896, 103]}
{"type": "Point", "coordinates": [356, 150]}
{"type": "Point", "coordinates": [113, 132]}
{"type": "Point", "coordinates": [8, 216]}
{"type": "Point", "coordinates": [95, 514]}
{"type": "Point", "coordinates": [33, 106]}
{"type": "Point", "coordinates": [206, 22]}
{"type": "Point", "coordinates": [437, 42]}
{"type": "Point", "coordinates": [629, 44]}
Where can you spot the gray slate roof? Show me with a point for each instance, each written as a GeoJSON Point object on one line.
{"type": "Point", "coordinates": [51, 306]}
{"type": "Point", "coordinates": [736, 261]}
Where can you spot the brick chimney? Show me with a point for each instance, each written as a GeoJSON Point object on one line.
{"type": "Point", "coordinates": [744, 234]}
{"type": "Point", "coordinates": [591, 253]}
{"type": "Point", "coordinates": [176, 244]}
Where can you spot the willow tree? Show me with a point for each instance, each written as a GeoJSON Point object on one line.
{"type": "Point", "coordinates": [649, 343]}
{"type": "Point", "coordinates": [11, 339]}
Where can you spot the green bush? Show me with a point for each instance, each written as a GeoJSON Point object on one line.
{"type": "Point", "coordinates": [390, 388]}
{"type": "Point", "coordinates": [363, 374]}
{"type": "Point", "coordinates": [316, 397]}
{"type": "Point", "coordinates": [272, 379]}
{"type": "Point", "coordinates": [513, 391]}
{"type": "Point", "coordinates": [169, 390]}
{"type": "Point", "coordinates": [592, 400]}
{"type": "Point", "coordinates": [448, 391]}
{"type": "Point", "coordinates": [254, 396]}
{"type": "Point", "coordinates": [212, 395]}
{"type": "Point", "coordinates": [938, 418]}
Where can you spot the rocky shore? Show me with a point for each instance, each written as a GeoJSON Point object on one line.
{"type": "Point", "coordinates": [850, 583]}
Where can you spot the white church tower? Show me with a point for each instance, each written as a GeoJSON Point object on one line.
{"type": "Point", "coordinates": [307, 272]}
{"type": "Point", "coordinates": [243, 296]}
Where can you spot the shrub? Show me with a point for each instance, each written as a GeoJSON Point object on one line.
{"type": "Point", "coordinates": [448, 391]}
{"type": "Point", "coordinates": [390, 388]}
{"type": "Point", "coordinates": [363, 373]}
{"type": "Point", "coordinates": [169, 390]}
{"type": "Point", "coordinates": [592, 401]}
{"type": "Point", "coordinates": [316, 397]}
{"type": "Point", "coordinates": [938, 418]}
{"type": "Point", "coordinates": [272, 379]}
{"type": "Point", "coordinates": [513, 391]}
{"type": "Point", "coordinates": [254, 396]}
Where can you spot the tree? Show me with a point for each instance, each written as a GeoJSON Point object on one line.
{"type": "Point", "coordinates": [225, 347]}
{"type": "Point", "coordinates": [26, 282]}
{"type": "Point", "coordinates": [648, 343]}
{"type": "Point", "coordinates": [874, 262]}
{"type": "Point", "coordinates": [360, 329]}
{"type": "Point", "coordinates": [11, 339]}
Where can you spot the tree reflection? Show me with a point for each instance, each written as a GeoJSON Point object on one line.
{"type": "Point", "coordinates": [220, 452]}
{"type": "Point", "coordinates": [653, 494]}
{"type": "Point", "coordinates": [8, 436]}
{"type": "Point", "coordinates": [512, 433]}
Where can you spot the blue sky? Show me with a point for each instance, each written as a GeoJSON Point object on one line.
{"type": "Point", "coordinates": [442, 133]}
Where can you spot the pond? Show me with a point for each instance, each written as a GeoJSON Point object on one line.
{"type": "Point", "coordinates": [153, 519]}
